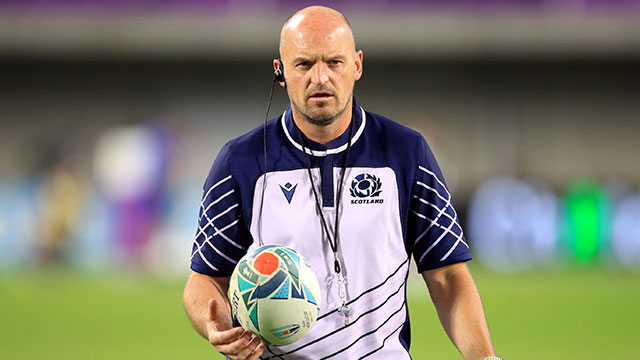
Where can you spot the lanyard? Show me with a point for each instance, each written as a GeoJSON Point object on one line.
{"type": "Point", "coordinates": [344, 309]}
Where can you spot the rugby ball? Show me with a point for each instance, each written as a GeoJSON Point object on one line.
{"type": "Point", "coordinates": [274, 293]}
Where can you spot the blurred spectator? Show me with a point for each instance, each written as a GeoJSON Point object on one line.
{"type": "Point", "coordinates": [61, 196]}
{"type": "Point", "coordinates": [513, 225]}
{"type": "Point", "coordinates": [131, 171]}
{"type": "Point", "coordinates": [626, 232]}
{"type": "Point", "coordinates": [586, 226]}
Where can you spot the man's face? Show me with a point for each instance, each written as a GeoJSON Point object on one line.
{"type": "Point", "coordinates": [321, 67]}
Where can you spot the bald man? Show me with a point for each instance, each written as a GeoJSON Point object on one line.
{"type": "Point", "coordinates": [355, 193]}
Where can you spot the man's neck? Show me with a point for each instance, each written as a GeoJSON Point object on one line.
{"type": "Point", "coordinates": [324, 134]}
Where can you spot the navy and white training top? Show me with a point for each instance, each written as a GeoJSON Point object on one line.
{"type": "Point", "coordinates": [394, 204]}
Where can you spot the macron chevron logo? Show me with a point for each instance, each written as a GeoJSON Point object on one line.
{"type": "Point", "coordinates": [288, 190]}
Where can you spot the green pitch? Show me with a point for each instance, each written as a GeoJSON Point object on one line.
{"type": "Point", "coordinates": [569, 314]}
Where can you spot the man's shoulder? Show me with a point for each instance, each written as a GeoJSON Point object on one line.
{"type": "Point", "coordinates": [392, 131]}
{"type": "Point", "coordinates": [252, 142]}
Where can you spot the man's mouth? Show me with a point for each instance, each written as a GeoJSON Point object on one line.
{"type": "Point", "coordinates": [320, 95]}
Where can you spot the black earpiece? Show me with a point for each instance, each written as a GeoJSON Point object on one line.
{"type": "Point", "coordinates": [278, 74]}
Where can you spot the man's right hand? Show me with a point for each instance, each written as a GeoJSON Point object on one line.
{"type": "Point", "coordinates": [234, 343]}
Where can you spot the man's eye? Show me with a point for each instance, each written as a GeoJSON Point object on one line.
{"type": "Point", "coordinates": [304, 64]}
{"type": "Point", "coordinates": [335, 62]}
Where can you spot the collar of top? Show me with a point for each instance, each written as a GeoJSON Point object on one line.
{"type": "Point", "coordinates": [333, 147]}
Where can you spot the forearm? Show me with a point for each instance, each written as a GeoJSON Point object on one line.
{"type": "Point", "coordinates": [461, 312]}
{"type": "Point", "coordinates": [197, 293]}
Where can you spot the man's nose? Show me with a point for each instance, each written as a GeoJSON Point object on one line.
{"type": "Point", "coordinates": [319, 73]}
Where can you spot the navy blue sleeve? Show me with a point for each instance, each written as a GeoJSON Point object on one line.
{"type": "Point", "coordinates": [222, 237]}
{"type": "Point", "coordinates": [433, 224]}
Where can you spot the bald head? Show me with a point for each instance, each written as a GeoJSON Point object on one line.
{"type": "Point", "coordinates": [320, 65]}
{"type": "Point", "coordinates": [315, 20]}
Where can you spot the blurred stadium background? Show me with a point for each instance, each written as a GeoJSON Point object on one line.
{"type": "Point", "coordinates": [112, 112]}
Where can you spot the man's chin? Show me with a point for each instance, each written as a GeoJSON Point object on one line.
{"type": "Point", "coordinates": [321, 118]}
{"type": "Point", "coordinates": [311, 105]}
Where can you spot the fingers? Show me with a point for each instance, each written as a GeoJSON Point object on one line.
{"type": "Point", "coordinates": [220, 338]}
{"type": "Point", "coordinates": [245, 346]}
{"type": "Point", "coordinates": [257, 352]}
{"type": "Point", "coordinates": [250, 350]}
{"type": "Point", "coordinates": [235, 343]}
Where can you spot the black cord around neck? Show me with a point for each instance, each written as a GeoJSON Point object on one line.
{"type": "Point", "coordinates": [332, 242]}
{"type": "Point", "coordinates": [264, 180]}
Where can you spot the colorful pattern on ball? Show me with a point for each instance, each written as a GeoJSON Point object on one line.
{"type": "Point", "coordinates": [275, 293]}
{"type": "Point", "coordinates": [266, 263]}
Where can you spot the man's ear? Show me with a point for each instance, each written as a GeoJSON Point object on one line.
{"type": "Point", "coordinates": [358, 64]}
{"type": "Point", "coordinates": [278, 72]}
